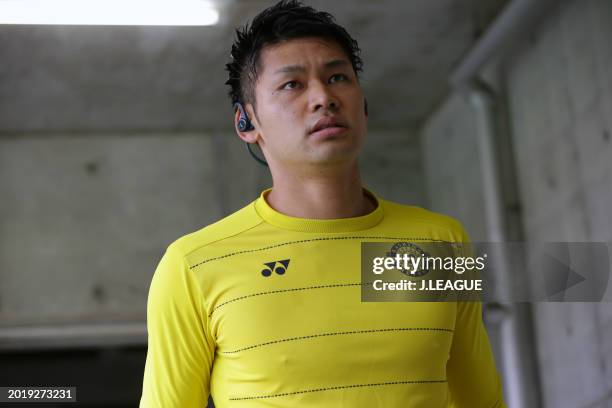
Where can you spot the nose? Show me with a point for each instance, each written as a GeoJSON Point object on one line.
{"type": "Point", "coordinates": [322, 97]}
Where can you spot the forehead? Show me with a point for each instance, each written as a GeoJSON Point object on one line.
{"type": "Point", "coordinates": [301, 51]}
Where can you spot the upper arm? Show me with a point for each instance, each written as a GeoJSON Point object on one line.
{"type": "Point", "coordinates": [180, 350]}
{"type": "Point", "coordinates": [472, 376]}
{"type": "Point", "coordinates": [471, 372]}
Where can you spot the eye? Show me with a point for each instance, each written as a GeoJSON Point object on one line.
{"type": "Point", "coordinates": [289, 85]}
{"type": "Point", "coordinates": [342, 77]}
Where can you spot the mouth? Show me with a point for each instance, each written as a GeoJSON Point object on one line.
{"type": "Point", "coordinates": [327, 126]}
{"type": "Point", "coordinates": [328, 131]}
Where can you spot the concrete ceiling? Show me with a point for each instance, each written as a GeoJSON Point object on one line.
{"type": "Point", "coordinates": [73, 78]}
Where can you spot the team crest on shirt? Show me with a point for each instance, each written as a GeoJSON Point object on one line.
{"type": "Point", "coordinates": [279, 267]}
{"type": "Point", "coordinates": [411, 250]}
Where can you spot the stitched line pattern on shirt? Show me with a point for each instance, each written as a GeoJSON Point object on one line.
{"type": "Point", "coordinates": [285, 290]}
{"type": "Point", "coordinates": [340, 387]}
{"type": "Point", "coordinates": [434, 329]}
{"type": "Point", "coordinates": [301, 241]}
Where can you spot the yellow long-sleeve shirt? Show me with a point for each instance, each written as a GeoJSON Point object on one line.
{"type": "Point", "coordinates": [262, 309]}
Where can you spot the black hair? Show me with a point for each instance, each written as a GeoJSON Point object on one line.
{"type": "Point", "coordinates": [286, 20]}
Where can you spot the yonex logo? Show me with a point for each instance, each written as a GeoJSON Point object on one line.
{"type": "Point", "coordinates": [271, 266]}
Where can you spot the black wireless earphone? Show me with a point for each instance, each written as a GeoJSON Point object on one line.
{"type": "Point", "coordinates": [245, 125]}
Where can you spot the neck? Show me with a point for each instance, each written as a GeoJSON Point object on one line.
{"type": "Point", "coordinates": [320, 196]}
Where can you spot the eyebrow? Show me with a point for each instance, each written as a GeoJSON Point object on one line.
{"type": "Point", "coordinates": [300, 68]}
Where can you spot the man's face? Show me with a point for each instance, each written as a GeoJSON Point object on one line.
{"type": "Point", "coordinates": [300, 82]}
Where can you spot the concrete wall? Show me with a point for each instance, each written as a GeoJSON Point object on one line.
{"type": "Point", "coordinates": [559, 97]}
{"type": "Point", "coordinates": [84, 218]}
{"type": "Point", "coordinates": [452, 166]}
{"type": "Point", "coordinates": [561, 103]}
{"type": "Point", "coordinates": [391, 165]}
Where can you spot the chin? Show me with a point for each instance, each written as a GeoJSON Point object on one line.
{"type": "Point", "coordinates": [336, 154]}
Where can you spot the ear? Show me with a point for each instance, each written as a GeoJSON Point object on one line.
{"type": "Point", "coordinates": [249, 136]}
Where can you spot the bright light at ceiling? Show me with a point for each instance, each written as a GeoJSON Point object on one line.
{"type": "Point", "coordinates": [108, 12]}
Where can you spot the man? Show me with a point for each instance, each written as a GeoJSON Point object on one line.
{"type": "Point", "coordinates": [263, 308]}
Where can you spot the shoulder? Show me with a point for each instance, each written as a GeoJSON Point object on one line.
{"type": "Point", "coordinates": [228, 227]}
{"type": "Point", "coordinates": [405, 216]}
